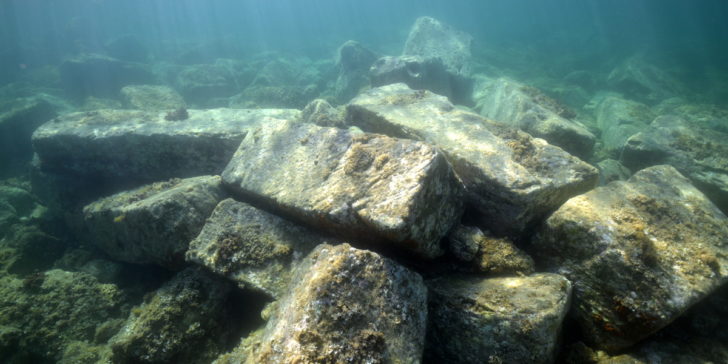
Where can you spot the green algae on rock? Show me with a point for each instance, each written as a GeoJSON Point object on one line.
{"type": "Point", "coordinates": [639, 253]}
{"type": "Point", "coordinates": [251, 247]}
{"type": "Point", "coordinates": [347, 305]}
{"type": "Point", "coordinates": [367, 187]}
{"type": "Point", "coordinates": [487, 254]}
{"type": "Point", "coordinates": [153, 223]}
{"type": "Point", "coordinates": [496, 320]}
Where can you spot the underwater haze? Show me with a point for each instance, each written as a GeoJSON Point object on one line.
{"type": "Point", "coordinates": [343, 181]}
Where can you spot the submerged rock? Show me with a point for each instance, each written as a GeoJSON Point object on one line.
{"type": "Point", "coordinates": [496, 320]}
{"type": "Point", "coordinates": [488, 254]}
{"type": "Point", "coordinates": [347, 306]}
{"type": "Point", "coordinates": [118, 146]}
{"type": "Point", "coordinates": [698, 152]}
{"type": "Point", "coordinates": [430, 38]}
{"type": "Point", "coordinates": [353, 61]}
{"type": "Point", "coordinates": [201, 82]}
{"type": "Point", "coordinates": [151, 97]}
{"type": "Point", "coordinates": [639, 254]}
{"type": "Point", "coordinates": [101, 76]}
{"type": "Point", "coordinates": [180, 322]}
{"type": "Point", "coordinates": [512, 180]}
{"type": "Point", "coordinates": [251, 247]}
{"type": "Point", "coordinates": [155, 223]}
{"type": "Point", "coordinates": [529, 109]}
{"type": "Point", "coordinates": [611, 170]}
{"type": "Point", "coordinates": [321, 113]}
{"type": "Point", "coordinates": [364, 186]}
{"type": "Point", "coordinates": [18, 119]}
{"type": "Point", "coordinates": [619, 119]}
{"type": "Point", "coordinates": [640, 79]}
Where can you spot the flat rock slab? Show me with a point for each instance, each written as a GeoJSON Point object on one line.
{"type": "Point", "coordinates": [639, 254]}
{"type": "Point", "coordinates": [512, 179]}
{"type": "Point", "coordinates": [347, 306]}
{"type": "Point", "coordinates": [155, 223]}
{"type": "Point", "coordinates": [699, 153]}
{"type": "Point", "coordinates": [142, 146]}
{"type": "Point", "coordinates": [496, 320]}
{"type": "Point", "coordinates": [529, 109]}
{"type": "Point", "coordinates": [363, 186]}
{"type": "Point", "coordinates": [251, 247]}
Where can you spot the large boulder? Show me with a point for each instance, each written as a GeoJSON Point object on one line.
{"type": "Point", "coordinates": [352, 61]}
{"type": "Point", "coordinates": [155, 223]}
{"type": "Point", "coordinates": [529, 109]}
{"type": "Point", "coordinates": [430, 38]}
{"type": "Point", "coordinates": [639, 78]}
{"type": "Point", "coordinates": [117, 146]}
{"type": "Point", "coordinates": [100, 76]}
{"type": "Point", "coordinates": [18, 119]}
{"type": "Point", "coordinates": [347, 306]}
{"type": "Point", "coordinates": [201, 82]}
{"type": "Point", "coordinates": [698, 152]}
{"type": "Point", "coordinates": [477, 251]}
{"type": "Point", "coordinates": [321, 113]}
{"type": "Point", "coordinates": [512, 180]}
{"type": "Point", "coordinates": [496, 320]}
{"type": "Point", "coordinates": [639, 253]}
{"type": "Point", "coordinates": [253, 248]}
{"type": "Point", "coordinates": [151, 97]}
{"type": "Point", "coordinates": [619, 119]}
{"type": "Point", "coordinates": [180, 322]}
{"type": "Point", "coordinates": [365, 187]}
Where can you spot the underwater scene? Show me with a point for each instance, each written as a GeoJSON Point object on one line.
{"type": "Point", "coordinates": [342, 181]}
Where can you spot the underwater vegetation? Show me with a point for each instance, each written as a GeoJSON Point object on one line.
{"type": "Point", "coordinates": [402, 188]}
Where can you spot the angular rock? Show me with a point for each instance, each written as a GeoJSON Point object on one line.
{"type": "Point", "coordinates": [321, 113]}
{"type": "Point", "coordinates": [155, 223]}
{"type": "Point", "coordinates": [284, 96]}
{"type": "Point", "coordinates": [512, 179]}
{"type": "Point", "coordinates": [430, 38]}
{"type": "Point", "coordinates": [487, 254]}
{"type": "Point", "coordinates": [611, 170]}
{"type": "Point", "coordinates": [201, 82]}
{"type": "Point", "coordinates": [639, 253]}
{"type": "Point", "coordinates": [347, 306]}
{"type": "Point", "coordinates": [100, 76]}
{"type": "Point", "coordinates": [251, 247]}
{"type": "Point", "coordinates": [496, 320]}
{"type": "Point", "coordinates": [640, 79]}
{"type": "Point", "coordinates": [619, 119]}
{"type": "Point", "coordinates": [353, 61]}
{"type": "Point", "coordinates": [151, 97]}
{"type": "Point", "coordinates": [698, 152]}
{"type": "Point", "coordinates": [529, 109]}
{"type": "Point", "coordinates": [18, 119]}
{"type": "Point", "coordinates": [179, 323]}
{"type": "Point", "coordinates": [363, 186]}
{"type": "Point", "coordinates": [117, 146]}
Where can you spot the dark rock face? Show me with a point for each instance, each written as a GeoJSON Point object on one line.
{"type": "Point", "coordinates": [698, 152]}
{"type": "Point", "coordinates": [353, 61]}
{"type": "Point", "coordinates": [499, 320]}
{"type": "Point", "coordinates": [154, 223]}
{"type": "Point", "coordinates": [639, 253]}
{"type": "Point", "coordinates": [251, 247]}
{"type": "Point", "coordinates": [100, 76]}
{"type": "Point", "coordinates": [429, 38]}
{"type": "Point", "coordinates": [363, 186]}
{"type": "Point", "coordinates": [512, 180]}
{"type": "Point", "coordinates": [117, 146]}
{"type": "Point", "coordinates": [486, 254]}
{"type": "Point", "coordinates": [347, 305]}
{"type": "Point", "coordinates": [417, 72]}
{"type": "Point", "coordinates": [18, 119]}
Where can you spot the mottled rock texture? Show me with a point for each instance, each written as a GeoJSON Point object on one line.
{"type": "Point", "coordinates": [155, 223]}
{"type": "Point", "coordinates": [364, 186]}
{"type": "Point", "coordinates": [639, 254]}
{"type": "Point", "coordinates": [529, 109]}
{"type": "Point", "coordinates": [251, 247]}
{"type": "Point", "coordinates": [430, 38]}
{"type": "Point", "coordinates": [512, 179]}
{"type": "Point", "coordinates": [487, 254]}
{"type": "Point", "coordinates": [619, 119]}
{"type": "Point", "coordinates": [142, 146]}
{"type": "Point", "coordinates": [352, 61]}
{"type": "Point", "coordinates": [151, 97]}
{"type": "Point", "coordinates": [698, 152]}
{"type": "Point", "coordinates": [496, 320]}
{"type": "Point", "coordinates": [321, 113]}
{"type": "Point", "coordinates": [347, 306]}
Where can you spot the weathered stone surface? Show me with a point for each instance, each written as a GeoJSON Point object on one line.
{"type": "Point", "coordinates": [496, 320]}
{"type": "Point", "coordinates": [251, 247]}
{"type": "Point", "coordinates": [698, 152]}
{"type": "Point", "coordinates": [352, 61]}
{"type": "Point", "coordinates": [529, 109]}
{"type": "Point", "coordinates": [179, 323]}
{"type": "Point", "coordinates": [611, 170]}
{"type": "Point", "coordinates": [488, 254]}
{"type": "Point", "coordinates": [639, 254]}
{"type": "Point", "coordinates": [619, 119]}
{"type": "Point", "coordinates": [419, 73]}
{"type": "Point", "coordinates": [18, 119]}
{"type": "Point", "coordinates": [363, 186]}
{"type": "Point", "coordinates": [151, 97]}
{"type": "Point", "coordinates": [430, 38]}
{"type": "Point", "coordinates": [640, 79]}
{"type": "Point", "coordinates": [321, 113]}
{"type": "Point", "coordinates": [198, 83]}
{"type": "Point", "coordinates": [512, 179]}
{"type": "Point", "coordinates": [347, 306]}
{"type": "Point", "coordinates": [155, 223]}
{"type": "Point", "coordinates": [101, 76]}
{"type": "Point", "coordinates": [120, 145]}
